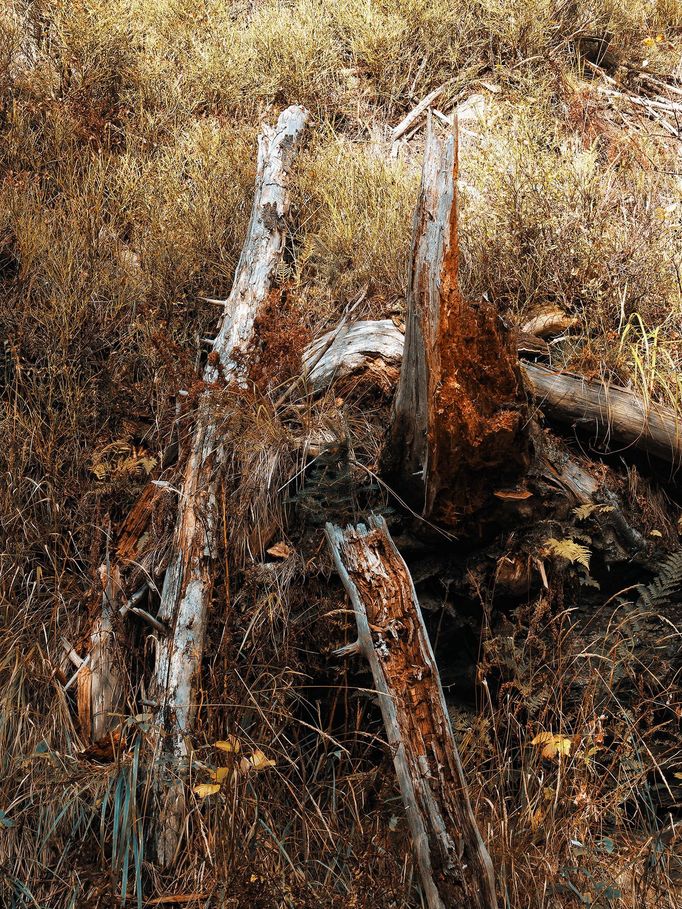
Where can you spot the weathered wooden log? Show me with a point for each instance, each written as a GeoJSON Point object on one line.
{"type": "Point", "coordinates": [614, 416]}
{"type": "Point", "coordinates": [188, 583]}
{"type": "Point", "coordinates": [459, 414]}
{"type": "Point", "coordinates": [418, 111]}
{"type": "Point", "coordinates": [549, 321]}
{"type": "Point", "coordinates": [453, 862]}
{"type": "Point", "coordinates": [350, 348]}
{"type": "Point", "coordinates": [617, 418]}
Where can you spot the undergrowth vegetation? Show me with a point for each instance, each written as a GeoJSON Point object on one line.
{"type": "Point", "coordinates": [127, 161]}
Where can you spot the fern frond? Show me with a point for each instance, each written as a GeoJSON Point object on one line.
{"type": "Point", "coordinates": [666, 587]}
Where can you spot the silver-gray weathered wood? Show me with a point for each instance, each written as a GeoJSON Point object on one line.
{"type": "Point", "coordinates": [614, 416]}
{"type": "Point", "coordinates": [188, 583]}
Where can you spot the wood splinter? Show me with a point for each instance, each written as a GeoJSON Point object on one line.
{"type": "Point", "coordinates": [453, 862]}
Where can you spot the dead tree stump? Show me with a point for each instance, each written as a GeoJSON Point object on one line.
{"type": "Point", "coordinates": [188, 583]}
{"type": "Point", "coordinates": [459, 421]}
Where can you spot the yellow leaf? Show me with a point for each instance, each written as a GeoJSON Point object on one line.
{"type": "Point", "coordinates": [553, 744]}
{"type": "Point", "coordinates": [543, 737]}
{"type": "Point", "coordinates": [220, 774]}
{"type": "Point", "coordinates": [648, 42]}
{"type": "Point", "coordinates": [587, 754]}
{"type": "Point", "coordinates": [570, 550]}
{"type": "Point", "coordinates": [231, 744]}
{"type": "Point", "coordinates": [280, 550]}
{"type": "Point", "coordinates": [564, 746]}
{"type": "Point", "coordinates": [678, 776]}
{"type": "Point", "coordinates": [655, 533]}
{"type": "Point", "coordinates": [204, 789]}
{"type": "Point", "coordinates": [259, 761]}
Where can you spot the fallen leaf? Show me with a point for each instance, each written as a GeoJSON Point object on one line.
{"type": "Point", "coordinates": [205, 789]}
{"type": "Point", "coordinates": [258, 761]}
{"type": "Point", "coordinates": [280, 550]}
{"type": "Point", "coordinates": [220, 774]}
{"type": "Point", "coordinates": [231, 744]}
{"type": "Point", "coordinates": [552, 744]}
{"type": "Point", "coordinates": [655, 533]}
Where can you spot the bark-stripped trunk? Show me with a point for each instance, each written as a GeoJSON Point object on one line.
{"type": "Point", "coordinates": [459, 413]}
{"type": "Point", "coordinates": [188, 583]}
{"type": "Point", "coordinates": [453, 861]}
{"type": "Point", "coordinates": [615, 417]}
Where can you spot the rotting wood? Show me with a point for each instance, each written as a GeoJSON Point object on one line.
{"type": "Point", "coordinates": [459, 414]}
{"type": "Point", "coordinates": [101, 689]}
{"type": "Point", "coordinates": [453, 862]}
{"type": "Point", "coordinates": [611, 414]}
{"type": "Point", "coordinates": [188, 583]}
{"type": "Point", "coordinates": [136, 523]}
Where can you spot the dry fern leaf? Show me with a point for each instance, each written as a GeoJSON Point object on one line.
{"type": "Point", "coordinates": [584, 511]}
{"type": "Point", "coordinates": [570, 550]}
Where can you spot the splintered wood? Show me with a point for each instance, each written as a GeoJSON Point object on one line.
{"type": "Point", "coordinates": [453, 862]}
{"type": "Point", "coordinates": [460, 416]}
{"type": "Point", "coordinates": [102, 680]}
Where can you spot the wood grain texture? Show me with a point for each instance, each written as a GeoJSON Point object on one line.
{"type": "Point", "coordinates": [616, 418]}
{"type": "Point", "coordinates": [453, 862]}
{"type": "Point", "coordinates": [188, 583]}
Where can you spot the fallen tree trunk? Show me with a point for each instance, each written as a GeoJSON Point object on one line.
{"type": "Point", "coordinates": [453, 862]}
{"type": "Point", "coordinates": [188, 583]}
{"type": "Point", "coordinates": [459, 414]}
{"type": "Point", "coordinates": [613, 415]}
{"type": "Point", "coordinates": [353, 348]}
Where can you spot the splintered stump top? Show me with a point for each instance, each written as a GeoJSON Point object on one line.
{"type": "Point", "coordinates": [459, 423]}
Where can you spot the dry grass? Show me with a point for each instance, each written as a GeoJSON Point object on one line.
{"type": "Point", "coordinates": [126, 169]}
